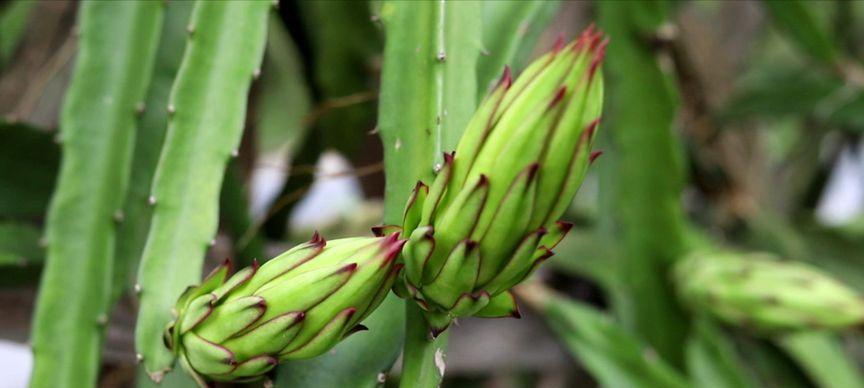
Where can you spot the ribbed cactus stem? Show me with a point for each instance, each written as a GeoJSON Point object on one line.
{"type": "Point", "coordinates": [117, 46]}
{"type": "Point", "coordinates": [206, 109]}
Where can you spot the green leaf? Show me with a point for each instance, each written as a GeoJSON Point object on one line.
{"type": "Point", "coordinates": [614, 356]}
{"type": "Point", "coordinates": [644, 175]}
{"type": "Point", "coordinates": [118, 43]}
{"type": "Point", "coordinates": [771, 90]}
{"type": "Point", "coordinates": [823, 359]}
{"type": "Point", "coordinates": [712, 361]}
{"type": "Point", "coordinates": [796, 20]}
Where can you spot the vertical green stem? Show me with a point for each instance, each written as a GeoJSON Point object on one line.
{"type": "Point", "coordinates": [647, 175]}
{"type": "Point", "coordinates": [423, 360]}
{"type": "Point", "coordinates": [118, 42]}
{"type": "Point", "coordinates": [148, 143]}
{"type": "Point", "coordinates": [207, 109]}
{"type": "Point", "coordinates": [428, 93]}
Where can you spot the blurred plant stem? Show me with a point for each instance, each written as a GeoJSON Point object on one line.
{"type": "Point", "coordinates": [645, 176]}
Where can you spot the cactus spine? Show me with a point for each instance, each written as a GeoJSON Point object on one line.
{"type": "Point", "coordinates": [118, 43]}
{"type": "Point", "coordinates": [207, 108]}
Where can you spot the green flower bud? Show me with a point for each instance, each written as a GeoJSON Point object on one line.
{"type": "Point", "coordinates": [764, 293]}
{"type": "Point", "coordinates": [490, 216]}
{"type": "Point", "coordinates": [296, 306]}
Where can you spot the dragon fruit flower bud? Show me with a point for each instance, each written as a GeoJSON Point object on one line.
{"type": "Point", "coordinates": [296, 306]}
{"type": "Point", "coordinates": [490, 216]}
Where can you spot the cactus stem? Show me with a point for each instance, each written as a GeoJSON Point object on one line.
{"type": "Point", "coordinates": [140, 107]}
{"type": "Point", "coordinates": [118, 216]}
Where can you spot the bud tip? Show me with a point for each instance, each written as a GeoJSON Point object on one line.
{"type": "Point", "coordinates": [594, 156]}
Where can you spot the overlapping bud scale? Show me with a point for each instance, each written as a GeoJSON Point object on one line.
{"type": "Point", "coordinates": [764, 293]}
{"type": "Point", "coordinates": [490, 216]}
{"type": "Point", "coordinates": [297, 305]}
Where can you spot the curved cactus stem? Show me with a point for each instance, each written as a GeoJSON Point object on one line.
{"type": "Point", "coordinates": [153, 121]}
{"type": "Point", "coordinates": [207, 109]}
{"type": "Point", "coordinates": [118, 42]}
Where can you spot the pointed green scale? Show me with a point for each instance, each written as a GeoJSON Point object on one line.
{"type": "Point", "coordinates": [555, 233]}
{"type": "Point", "coordinates": [196, 311]}
{"type": "Point", "coordinates": [213, 280]}
{"type": "Point", "coordinates": [269, 337]}
{"type": "Point", "coordinates": [536, 82]}
{"type": "Point", "coordinates": [580, 162]}
{"type": "Point", "coordinates": [539, 257]}
{"type": "Point", "coordinates": [283, 263]}
{"type": "Point", "coordinates": [325, 338]}
{"type": "Point", "coordinates": [339, 252]}
{"type": "Point", "coordinates": [519, 263]}
{"type": "Point", "coordinates": [386, 230]}
{"type": "Point", "coordinates": [436, 192]}
{"type": "Point", "coordinates": [476, 132]}
{"type": "Point", "coordinates": [524, 149]}
{"type": "Point", "coordinates": [362, 287]}
{"type": "Point", "coordinates": [438, 321]}
{"type": "Point", "coordinates": [253, 367]}
{"type": "Point", "coordinates": [199, 379]}
{"type": "Point", "coordinates": [383, 291]}
{"type": "Point", "coordinates": [456, 224]}
{"type": "Point", "coordinates": [230, 318]}
{"type": "Point", "coordinates": [501, 305]}
{"type": "Point", "coordinates": [207, 357]}
{"type": "Point", "coordinates": [561, 147]}
{"type": "Point", "coordinates": [384, 279]}
{"type": "Point", "coordinates": [414, 209]}
{"type": "Point", "coordinates": [233, 282]}
{"type": "Point", "coordinates": [497, 241]}
{"type": "Point", "coordinates": [521, 104]}
{"type": "Point", "coordinates": [457, 276]}
{"type": "Point", "coordinates": [469, 304]}
{"type": "Point", "coordinates": [304, 291]}
{"type": "Point", "coordinates": [417, 251]}
{"type": "Point", "coordinates": [190, 293]}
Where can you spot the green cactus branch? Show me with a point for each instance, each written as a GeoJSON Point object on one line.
{"type": "Point", "coordinates": [427, 97]}
{"type": "Point", "coordinates": [118, 42]}
{"type": "Point", "coordinates": [132, 233]}
{"type": "Point", "coordinates": [645, 174]}
{"type": "Point", "coordinates": [207, 108]}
